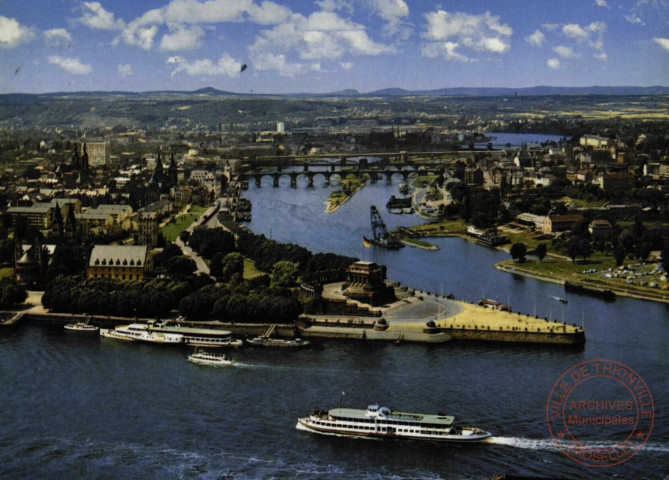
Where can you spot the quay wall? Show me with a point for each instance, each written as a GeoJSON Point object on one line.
{"type": "Point", "coordinates": [409, 333]}
{"type": "Point", "coordinates": [577, 338]}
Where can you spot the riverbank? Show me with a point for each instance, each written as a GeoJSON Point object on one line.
{"type": "Point", "coordinates": [639, 293]}
{"type": "Point", "coordinates": [332, 204]}
{"type": "Point", "coordinates": [412, 242]}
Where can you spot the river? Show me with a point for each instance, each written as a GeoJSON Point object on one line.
{"type": "Point", "coordinates": [81, 407]}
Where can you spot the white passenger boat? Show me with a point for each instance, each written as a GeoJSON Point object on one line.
{"type": "Point", "coordinates": [196, 336]}
{"type": "Point", "coordinates": [381, 422]}
{"type": "Point", "coordinates": [108, 333]}
{"type": "Point", "coordinates": [277, 342]}
{"type": "Point", "coordinates": [81, 327]}
{"type": "Point", "coordinates": [139, 332]}
{"type": "Point", "coordinates": [211, 359]}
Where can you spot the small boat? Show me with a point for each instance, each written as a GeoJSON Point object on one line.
{"type": "Point", "coordinates": [381, 422]}
{"type": "Point", "coordinates": [211, 359]}
{"type": "Point", "coordinates": [81, 327]}
{"type": "Point", "coordinates": [561, 299]}
{"type": "Point", "coordinates": [277, 342]}
{"type": "Point", "coordinates": [109, 333]}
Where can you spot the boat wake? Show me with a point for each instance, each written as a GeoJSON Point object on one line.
{"type": "Point", "coordinates": [548, 444]}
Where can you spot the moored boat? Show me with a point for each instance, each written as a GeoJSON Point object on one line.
{"type": "Point", "coordinates": [139, 332]}
{"type": "Point", "coordinates": [278, 342]}
{"type": "Point", "coordinates": [197, 337]}
{"type": "Point", "coordinates": [381, 422]}
{"type": "Point", "coordinates": [211, 359]}
{"type": "Point", "coordinates": [81, 327]}
{"type": "Point", "coordinates": [109, 333]}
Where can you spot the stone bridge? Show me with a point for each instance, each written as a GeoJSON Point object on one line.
{"type": "Point", "coordinates": [332, 173]}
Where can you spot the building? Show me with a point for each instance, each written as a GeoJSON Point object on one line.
{"type": "Point", "coordinates": [37, 215]}
{"type": "Point", "coordinates": [147, 223]}
{"type": "Point", "coordinates": [280, 127]}
{"type": "Point", "coordinates": [365, 282]}
{"type": "Point", "coordinates": [595, 141]}
{"type": "Point", "coordinates": [92, 221]}
{"type": "Point", "coordinates": [124, 262]}
{"type": "Point", "coordinates": [99, 154]}
{"type": "Point", "coordinates": [207, 180]}
{"type": "Point", "coordinates": [560, 223]}
{"type": "Point", "coordinates": [119, 212]}
{"type": "Point", "coordinates": [535, 222]}
{"type": "Point", "coordinates": [617, 181]}
{"type": "Point", "coordinates": [601, 230]}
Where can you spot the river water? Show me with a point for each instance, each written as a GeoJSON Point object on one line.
{"type": "Point", "coordinates": [81, 407]}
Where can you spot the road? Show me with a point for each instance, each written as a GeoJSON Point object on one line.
{"type": "Point", "coordinates": [211, 223]}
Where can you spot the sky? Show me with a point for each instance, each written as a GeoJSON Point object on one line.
{"type": "Point", "coordinates": [292, 46]}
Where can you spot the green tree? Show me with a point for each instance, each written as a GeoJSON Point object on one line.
{"type": "Point", "coordinates": [232, 263]}
{"type": "Point", "coordinates": [540, 251]}
{"type": "Point", "coordinates": [619, 254]}
{"type": "Point", "coordinates": [11, 294]}
{"type": "Point", "coordinates": [518, 252]}
{"type": "Point", "coordinates": [284, 274]}
{"type": "Point", "coordinates": [584, 248]}
{"type": "Point", "coordinates": [574, 248]}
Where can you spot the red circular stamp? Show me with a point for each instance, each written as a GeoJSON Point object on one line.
{"type": "Point", "coordinates": [600, 413]}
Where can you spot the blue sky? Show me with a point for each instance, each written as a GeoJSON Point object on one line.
{"type": "Point", "coordinates": [328, 45]}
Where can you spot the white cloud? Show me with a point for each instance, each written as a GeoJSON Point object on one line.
{"type": "Point", "coordinates": [57, 37]}
{"type": "Point", "coordinates": [346, 65]}
{"type": "Point", "coordinates": [574, 30]}
{"type": "Point", "coordinates": [633, 18]}
{"type": "Point", "coordinates": [323, 35]}
{"type": "Point", "coordinates": [591, 34]}
{"type": "Point", "coordinates": [142, 37]}
{"type": "Point", "coordinates": [602, 57]}
{"type": "Point", "coordinates": [277, 62]}
{"type": "Point", "coordinates": [70, 65]}
{"type": "Point", "coordinates": [446, 50]}
{"type": "Point", "coordinates": [96, 17]}
{"type": "Point", "coordinates": [537, 38]}
{"type": "Point", "coordinates": [13, 34]}
{"type": "Point", "coordinates": [125, 70]}
{"type": "Point", "coordinates": [601, 3]}
{"type": "Point", "coordinates": [662, 42]}
{"type": "Point", "coordinates": [554, 63]}
{"type": "Point", "coordinates": [226, 65]}
{"type": "Point", "coordinates": [551, 27]}
{"type": "Point", "coordinates": [565, 52]}
{"type": "Point", "coordinates": [482, 33]}
{"type": "Point", "coordinates": [142, 30]}
{"type": "Point", "coordinates": [393, 12]}
{"type": "Point", "coordinates": [181, 38]}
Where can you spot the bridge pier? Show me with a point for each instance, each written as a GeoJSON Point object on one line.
{"type": "Point", "coordinates": [310, 179]}
{"type": "Point", "coordinates": [258, 181]}
{"type": "Point", "coordinates": [389, 177]}
{"type": "Point", "coordinates": [293, 180]}
{"type": "Point", "coordinates": [276, 180]}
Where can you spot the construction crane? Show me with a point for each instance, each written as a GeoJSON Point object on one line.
{"type": "Point", "coordinates": [381, 237]}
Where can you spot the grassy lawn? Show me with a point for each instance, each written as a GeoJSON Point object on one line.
{"type": "Point", "coordinates": [530, 239]}
{"type": "Point", "coordinates": [172, 230]}
{"type": "Point", "coordinates": [250, 270]}
{"type": "Point", "coordinates": [6, 273]}
{"type": "Point", "coordinates": [577, 202]}
{"type": "Point", "coordinates": [445, 227]}
{"type": "Point", "coordinates": [630, 278]}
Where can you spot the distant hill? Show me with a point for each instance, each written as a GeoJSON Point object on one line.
{"type": "Point", "coordinates": [352, 93]}
{"type": "Point", "coordinates": [530, 91]}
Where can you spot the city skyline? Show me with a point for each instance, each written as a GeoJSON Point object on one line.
{"type": "Point", "coordinates": [330, 45]}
